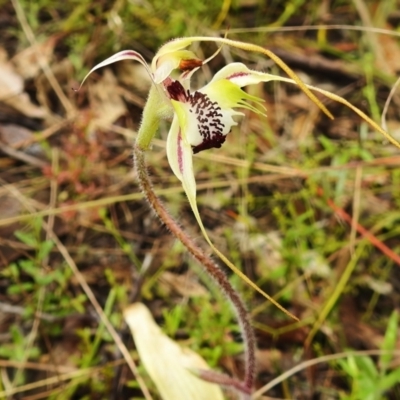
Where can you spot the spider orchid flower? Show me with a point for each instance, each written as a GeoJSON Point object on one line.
{"type": "Point", "coordinates": [173, 61]}
{"type": "Point", "coordinates": [201, 119]}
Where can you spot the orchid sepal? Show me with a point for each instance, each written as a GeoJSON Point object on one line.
{"type": "Point", "coordinates": [170, 47]}
{"type": "Point", "coordinates": [228, 95]}
{"type": "Point", "coordinates": [120, 56]}
{"type": "Point", "coordinates": [181, 59]}
{"type": "Point", "coordinates": [343, 101]}
{"type": "Point", "coordinates": [186, 176]}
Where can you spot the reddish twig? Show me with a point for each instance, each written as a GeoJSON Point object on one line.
{"type": "Point", "coordinates": [361, 230]}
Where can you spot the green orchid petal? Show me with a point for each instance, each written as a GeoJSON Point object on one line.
{"type": "Point", "coordinates": [174, 49]}
{"type": "Point", "coordinates": [229, 95]}
{"type": "Point", "coordinates": [170, 61]}
{"type": "Point", "coordinates": [341, 100]}
{"type": "Point", "coordinates": [241, 75]}
{"type": "Point", "coordinates": [170, 47]}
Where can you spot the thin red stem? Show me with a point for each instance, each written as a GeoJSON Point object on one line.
{"type": "Point", "coordinates": [363, 231]}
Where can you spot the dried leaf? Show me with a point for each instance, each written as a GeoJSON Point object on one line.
{"type": "Point", "coordinates": [184, 284]}
{"type": "Point", "coordinates": [13, 135]}
{"type": "Point", "coordinates": [135, 76]}
{"type": "Point", "coordinates": [167, 363]}
{"type": "Point", "coordinates": [391, 51]}
{"type": "Point", "coordinates": [106, 100]}
{"type": "Point", "coordinates": [27, 62]}
{"type": "Point", "coordinates": [12, 90]}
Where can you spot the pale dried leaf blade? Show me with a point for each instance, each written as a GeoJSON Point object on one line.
{"type": "Point", "coordinates": [105, 100]}
{"type": "Point", "coordinates": [12, 90]}
{"type": "Point", "coordinates": [166, 362]}
{"type": "Point", "coordinates": [27, 62]}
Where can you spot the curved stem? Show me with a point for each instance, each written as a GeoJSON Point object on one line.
{"type": "Point", "coordinates": [212, 269]}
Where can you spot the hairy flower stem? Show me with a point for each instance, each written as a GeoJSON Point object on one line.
{"type": "Point", "coordinates": [212, 269]}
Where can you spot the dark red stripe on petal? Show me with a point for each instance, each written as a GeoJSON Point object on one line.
{"type": "Point", "coordinates": [132, 54]}
{"type": "Point", "coordinates": [238, 75]}
{"type": "Point", "coordinates": [180, 152]}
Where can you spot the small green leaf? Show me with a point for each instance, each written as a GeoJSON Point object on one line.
{"type": "Point", "coordinates": [388, 381]}
{"type": "Point", "coordinates": [29, 267]}
{"type": "Point", "coordinates": [173, 319]}
{"type": "Point", "coordinates": [389, 342]}
{"type": "Point", "coordinates": [349, 366]}
{"type": "Point", "coordinates": [17, 335]}
{"type": "Point", "coordinates": [20, 288]}
{"type": "Point", "coordinates": [45, 249]}
{"type": "Point", "coordinates": [26, 237]}
{"type": "Point", "coordinates": [44, 279]}
{"type": "Point", "coordinates": [12, 271]}
{"type": "Point", "coordinates": [367, 368]}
